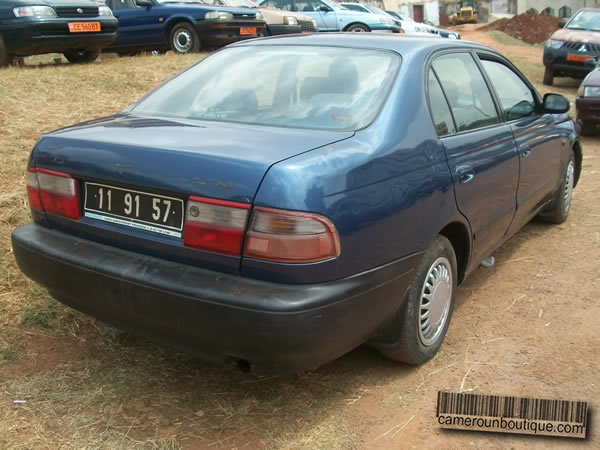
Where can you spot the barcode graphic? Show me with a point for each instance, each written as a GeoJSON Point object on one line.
{"type": "Point", "coordinates": [461, 411]}
{"type": "Point", "coordinates": [512, 407]}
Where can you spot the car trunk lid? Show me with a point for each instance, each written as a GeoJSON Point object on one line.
{"type": "Point", "coordinates": [171, 161]}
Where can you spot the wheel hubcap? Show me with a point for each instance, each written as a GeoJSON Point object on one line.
{"type": "Point", "coordinates": [436, 296]}
{"type": "Point", "coordinates": [569, 182]}
{"type": "Point", "coordinates": [182, 41]}
{"type": "Point", "coordinates": [357, 30]}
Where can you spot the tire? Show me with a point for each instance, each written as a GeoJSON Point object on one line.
{"type": "Point", "coordinates": [358, 28]}
{"type": "Point", "coordinates": [548, 76]}
{"type": "Point", "coordinates": [81, 56]}
{"type": "Point", "coordinates": [184, 39]}
{"type": "Point", "coordinates": [436, 276]}
{"type": "Point", "coordinates": [561, 205]}
{"type": "Point", "coordinates": [586, 127]}
{"type": "Point", "coordinates": [126, 54]}
{"type": "Point", "coordinates": [5, 58]}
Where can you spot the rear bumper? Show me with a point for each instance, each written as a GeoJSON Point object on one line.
{"type": "Point", "coordinates": [275, 327]}
{"type": "Point", "coordinates": [52, 36]}
{"type": "Point", "coordinates": [214, 32]}
{"type": "Point", "coordinates": [384, 28]}
{"type": "Point", "coordinates": [588, 108]}
{"type": "Point", "coordinates": [278, 29]}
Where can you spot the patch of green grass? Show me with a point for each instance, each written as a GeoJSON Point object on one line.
{"type": "Point", "coordinates": [9, 354]}
{"type": "Point", "coordinates": [505, 39]}
{"type": "Point", "coordinates": [40, 315]}
{"type": "Point", "coordinates": [532, 71]}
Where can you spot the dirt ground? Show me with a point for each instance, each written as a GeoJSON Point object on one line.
{"type": "Point", "coordinates": [525, 327]}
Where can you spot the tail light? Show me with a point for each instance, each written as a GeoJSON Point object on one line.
{"type": "Point", "coordinates": [53, 192]}
{"type": "Point", "coordinates": [215, 225]}
{"type": "Point", "coordinates": [290, 237]}
{"type": "Point", "coordinates": [273, 235]}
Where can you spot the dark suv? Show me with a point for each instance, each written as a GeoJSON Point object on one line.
{"type": "Point", "coordinates": [568, 49]}
{"type": "Point", "coordinates": [76, 28]}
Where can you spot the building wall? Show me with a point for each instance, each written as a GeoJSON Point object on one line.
{"type": "Point", "coordinates": [431, 8]}
{"type": "Point", "coordinates": [540, 5]}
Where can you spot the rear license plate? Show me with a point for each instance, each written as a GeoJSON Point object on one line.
{"type": "Point", "coordinates": [578, 58]}
{"type": "Point", "coordinates": [247, 30]}
{"type": "Point", "coordinates": [136, 209]}
{"type": "Point", "coordinates": [83, 27]}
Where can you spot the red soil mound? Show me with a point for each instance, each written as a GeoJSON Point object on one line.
{"type": "Point", "coordinates": [530, 28]}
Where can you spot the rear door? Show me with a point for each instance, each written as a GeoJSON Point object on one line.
{"type": "Point", "coordinates": [539, 147]}
{"type": "Point", "coordinates": [481, 151]}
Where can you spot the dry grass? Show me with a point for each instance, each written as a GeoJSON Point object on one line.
{"type": "Point", "coordinates": [81, 384]}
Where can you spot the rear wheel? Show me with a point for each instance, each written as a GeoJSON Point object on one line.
{"type": "Point", "coordinates": [426, 313]}
{"type": "Point", "coordinates": [184, 39]}
{"type": "Point", "coordinates": [358, 28]}
{"type": "Point", "coordinates": [5, 58]}
{"type": "Point", "coordinates": [559, 211]}
{"type": "Point", "coordinates": [586, 127]}
{"type": "Point", "coordinates": [125, 54]}
{"type": "Point", "coordinates": [81, 56]}
{"type": "Point", "coordinates": [548, 76]}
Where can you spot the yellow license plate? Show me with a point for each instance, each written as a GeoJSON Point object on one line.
{"type": "Point", "coordinates": [247, 30]}
{"type": "Point", "coordinates": [578, 58]}
{"type": "Point", "coordinates": [83, 27]}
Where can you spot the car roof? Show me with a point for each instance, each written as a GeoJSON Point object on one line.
{"type": "Point", "coordinates": [398, 43]}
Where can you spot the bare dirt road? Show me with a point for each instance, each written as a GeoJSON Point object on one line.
{"type": "Point", "coordinates": [525, 327]}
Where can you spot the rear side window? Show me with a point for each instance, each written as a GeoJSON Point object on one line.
{"type": "Point", "coordinates": [285, 5]}
{"type": "Point", "coordinates": [466, 91]}
{"type": "Point", "coordinates": [442, 118]}
{"type": "Point", "coordinates": [515, 96]}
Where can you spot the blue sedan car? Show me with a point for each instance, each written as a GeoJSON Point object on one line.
{"type": "Point", "coordinates": [332, 17]}
{"type": "Point", "coordinates": [183, 26]}
{"type": "Point", "coordinates": [288, 199]}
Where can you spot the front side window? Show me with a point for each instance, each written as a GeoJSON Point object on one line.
{"type": "Point", "coordinates": [327, 88]}
{"type": "Point", "coordinates": [121, 4]}
{"type": "Point", "coordinates": [306, 6]}
{"type": "Point", "coordinates": [514, 95]}
{"type": "Point", "coordinates": [466, 91]}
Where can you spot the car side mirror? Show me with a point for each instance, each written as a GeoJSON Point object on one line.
{"type": "Point", "coordinates": [324, 8]}
{"type": "Point", "coordinates": [555, 104]}
{"type": "Point", "coordinates": [144, 3]}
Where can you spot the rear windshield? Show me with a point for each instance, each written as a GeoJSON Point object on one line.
{"type": "Point", "coordinates": [585, 20]}
{"type": "Point", "coordinates": [289, 86]}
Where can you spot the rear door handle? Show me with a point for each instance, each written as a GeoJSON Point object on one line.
{"type": "Point", "coordinates": [525, 150]}
{"type": "Point", "coordinates": [465, 174]}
